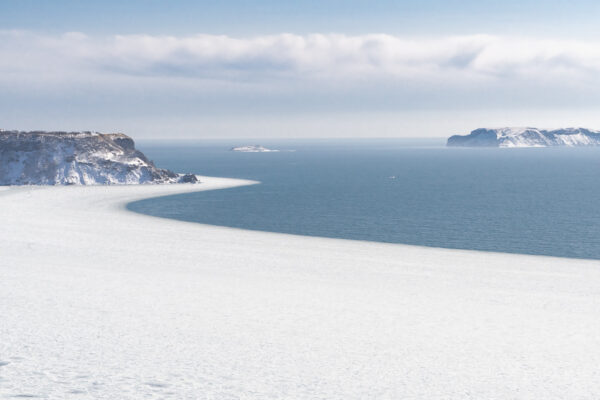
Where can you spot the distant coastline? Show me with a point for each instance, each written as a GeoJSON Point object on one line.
{"type": "Point", "coordinates": [526, 137]}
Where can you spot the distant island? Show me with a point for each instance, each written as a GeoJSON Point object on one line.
{"type": "Point", "coordinates": [526, 137]}
{"type": "Point", "coordinates": [253, 149]}
{"type": "Point", "coordinates": [77, 158]}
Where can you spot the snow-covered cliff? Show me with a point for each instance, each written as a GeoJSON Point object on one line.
{"type": "Point", "coordinates": [79, 158]}
{"type": "Point", "coordinates": [526, 137]}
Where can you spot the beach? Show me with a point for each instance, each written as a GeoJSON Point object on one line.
{"type": "Point", "coordinates": [99, 302]}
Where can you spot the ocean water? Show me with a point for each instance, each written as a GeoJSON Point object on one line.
{"type": "Point", "coordinates": [541, 201]}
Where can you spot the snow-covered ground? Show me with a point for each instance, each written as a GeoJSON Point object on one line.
{"type": "Point", "coordinates": [98, 302]}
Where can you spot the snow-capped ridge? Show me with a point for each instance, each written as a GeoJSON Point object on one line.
{"type": "Point", "coordinates": [526, 137]}
{"type": "Point", "coordinates": [77, 158]}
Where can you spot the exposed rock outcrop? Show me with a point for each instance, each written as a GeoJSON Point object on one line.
{"type": "Point", "coordinates": [77, 158]}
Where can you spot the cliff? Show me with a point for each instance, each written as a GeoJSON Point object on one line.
{"type": "Point", "coordinates": [526, 137]}
{"type": "Point", "coordinates": [77, 158]}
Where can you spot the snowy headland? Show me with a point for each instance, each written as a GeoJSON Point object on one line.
{"type": "Point", "coordinates": [526, 137]}
{"type": "Point", "coordinates": [97, 302]}
{"type": "Point", "coordinates": [77, 158]}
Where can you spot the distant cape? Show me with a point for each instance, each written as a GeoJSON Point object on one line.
{"type": "Point", "coordinates": [526, 137]}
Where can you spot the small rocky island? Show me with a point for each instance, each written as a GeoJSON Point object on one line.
{"type": "Point", "coordinates": [253, 149]}
{"type": "Point", "coordinates": [77, 158]}
{"type": "Point", "coordinates": [526, 137]}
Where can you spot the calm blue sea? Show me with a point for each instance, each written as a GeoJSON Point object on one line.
{"type": "Point", "coordinates": [533, 201]}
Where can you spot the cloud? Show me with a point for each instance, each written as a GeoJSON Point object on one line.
{"type": "Point", "coordinates": [334, 57]}
{"type": "Point", "coordinates": [51, 81]}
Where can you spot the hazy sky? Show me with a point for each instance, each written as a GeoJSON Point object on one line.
{"type": "Point", "coordinates": [194, 69]}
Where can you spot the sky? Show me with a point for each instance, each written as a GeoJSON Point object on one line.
{"type": "Point", "coordinates": [301, 69]}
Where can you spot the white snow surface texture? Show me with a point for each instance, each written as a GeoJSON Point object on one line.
{"type": "Point", "coordinates": [76, 158]}
{"type": "Point", "coordinates": [97, 302]}
{"type": "Point", "coordinates": [527, 137]}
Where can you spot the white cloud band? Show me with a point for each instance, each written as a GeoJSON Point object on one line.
{"type": "Point", "coordinates": [316, 56]}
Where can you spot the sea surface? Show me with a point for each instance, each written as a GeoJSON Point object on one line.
{"type": "Point", "coordinates": [543, 201]}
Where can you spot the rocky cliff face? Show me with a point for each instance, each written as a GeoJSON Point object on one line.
{"type": "Point", "coordinates": [77, 158]}
{"type": "Point", "coordinates": [526, 137]}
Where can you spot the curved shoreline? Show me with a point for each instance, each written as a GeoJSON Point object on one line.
{"type": "Point", "coordinates": [245, 182]}
{"type": "Point", "coordinates": [107, 303]}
